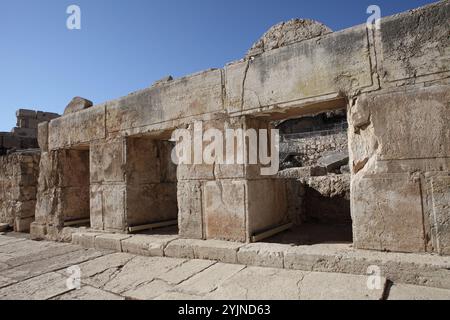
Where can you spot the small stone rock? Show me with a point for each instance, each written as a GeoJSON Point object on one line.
{"type": "Point", "coordinates": [78, 104]}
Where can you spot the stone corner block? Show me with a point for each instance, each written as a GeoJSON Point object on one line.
{"type": "Point", "coordinates": [263, 255]}
{"type": "Point", "coordinates": [152, 246]}
{"type": "Point", "coordinates": [110, 241]}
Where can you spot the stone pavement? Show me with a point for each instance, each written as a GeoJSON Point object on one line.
{"type": "Point", "coordinates": [39, 270]}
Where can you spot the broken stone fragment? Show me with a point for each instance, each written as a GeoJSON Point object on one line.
{"type": "Point", "coordinates": [334, 160]}
{"type": "Point", "coordinates": [286, 33]}
{"type": "Point", "coordinates": [77, 104]}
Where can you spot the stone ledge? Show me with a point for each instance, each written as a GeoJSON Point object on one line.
{"type": "Point", "coordinates": [416, 269]}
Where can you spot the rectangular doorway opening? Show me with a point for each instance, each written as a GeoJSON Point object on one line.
{"type": "Point", "coordinates": [151, 186]}
{"type": "Point", "coordinates": [314, 162]}
{"type": "Point", "coordinates": [75, 191]}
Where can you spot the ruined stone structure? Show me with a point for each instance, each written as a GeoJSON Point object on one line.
{"type": "Point", "coordinates": [19, 170]}
{"type": "Point", "coordinates": [24, 135]}
{"type": "Point", "coordinates": [109, 163]}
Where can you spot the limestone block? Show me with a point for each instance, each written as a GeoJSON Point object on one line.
{"type": "Point", "coordinates": [77, 128]}
{"type": "Point", "coordinates": [222, 251]}
{"type": "Point", "coordinates": [43, 136]}
{"type": "Point", "coordinates": [389, 217]}
{"type": "Point", "coordinates": [143, 163]}
{"type": "Point", "coordinates": [114, 207]}
{"type": "Point", "coordinates": [441, 212]}
{"type": "Point", "coordinates": [110, 241]}
{"type": "Point", "coordinates": [333, 160]}
{"type": "Point", "coordinates": [189, 96]}
{"type": "Point", "coordinates": [25, 132]}
{"type": "Point", "coordinates": [23, 224]}
{"type": "Point", "coordinates": [77, 104]}
{"type": "Point", "coordinates": [302, 70]}
{"type": "Point", "coordinates": [96, 207]}
{"type": "Point", "coordinates": [38, 231]}
{"type": "Point", "coordinates": [107, 159]}
{"type": "Point", "coordinates": [286, 33]}
{"type": "Point", "coordinates": [190, 211]}
{"type": "Point", "coordinates": [262, 254]}
{"type": "Point", "coordinates": [180, 248]}
{"type": "Point", "coordinates": [422, 36]}
{"type": "Point", "coordinates": [412, 124]}
{"type": "Point", "coordinates": [147, 245]}
{"type": "Point", "coordinates": [225, 210]}
{"type": "Point", "coordinates": [150, 203]}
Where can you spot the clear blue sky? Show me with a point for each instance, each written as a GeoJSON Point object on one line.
{"type": "Point", "coordinates": [125, 45]}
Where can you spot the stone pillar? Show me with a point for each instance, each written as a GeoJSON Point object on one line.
{"type": "Point", "coordinates": [108, 185]}
{"type": "Point", "coordinates": [228, 201]}
{"type": "Point", "coordinates": [400, 150]}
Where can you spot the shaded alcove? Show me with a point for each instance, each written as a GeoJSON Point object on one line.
{"type": "Point", "coordinates": [151, 186]}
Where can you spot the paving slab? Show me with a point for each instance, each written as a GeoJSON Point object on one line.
{"type": "Point", "coordinates": [7, 240]}
{"type": "Point", "coordinates": [6, 281]}
{"type": "Point", "coordinates": [36, 268]}
{"type": "Point", "coordinates": [336, 286]}
{"type": "Point", "coordinates": [257, 283]}
{"type": "Point", "coordinates": [138, 272]}
{"type": "Point", "coordinates": [185, 271]}
{"type": "Point", "coordinates": [209, 280]}
{"type": "Point", "coordinates": [411, 292]}
{"type": "Point", "coordinates": [97, 272]}
{"type": "Point", "coordinates": [88, 293]}
{"type": "Point", "coordinates": [42, 287]}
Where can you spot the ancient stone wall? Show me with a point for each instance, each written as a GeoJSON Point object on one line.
{"type": "Point", "coordinates": [18, 186]}
{"type": "Point", "coordinates": [394, 83]}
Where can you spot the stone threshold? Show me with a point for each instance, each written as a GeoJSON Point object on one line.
{"type": "Point", "coordinates": [417, 269]}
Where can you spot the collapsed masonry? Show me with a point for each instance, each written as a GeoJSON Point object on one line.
{"type": "Point", "coordinates": [108, 164]}
{"type": "Point", "coordinates": [19, 169]}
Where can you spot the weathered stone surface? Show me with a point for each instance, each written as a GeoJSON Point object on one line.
{"type": "Point", "coordinates": [262, 254]}
{"type": "Point", "coordinates": [181, 248]}
{"type": "Point", "coordinates": [190, 96]}
{"type": "Point", "coordinates": [333, 160]}
{"type": "Point", "coordinates": [410, 292]}
{"type": "Point", "coordinates": [222, 251]}
{"type": "Point", "coordinates": [422, 35]}
{"type": "Point", "coordinates": [85, 126]}
{"type": "Point", "coordinates": [33, 269]}
{"type": "Point", "coordinates": [247, 285]}
{"type": "Point", "coordinates": [225, 222]}
{"type": "Point", "coordinates": [42, 287]}
{"type": "Point", "coordinates": [190, 213]}
{"type": "Point", "coordinates": [441, 210]}
{"type": "Point", "coordinates": [147, 245]}
{"type": "Point", "coordinates": [339, 287]}
{"type": "Point", "coordinates": [89, 293]}
{"type": "Point", "coordinates": [77, 104]}
{"type": "Point", "coordinates": [110, 241]}
{"type": "Point", "coordinates": [185, 271]}
{"type": "Point", "coordinates": [391, 220]}
{"type": "Point", "coordinates": [286, 33]}
{"type": "Point", "coordinates": [4, 227]}
{"type": "Point", "coordinates": [209, 280]}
